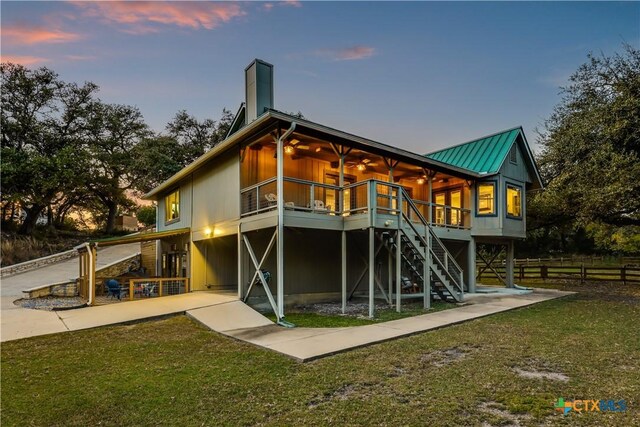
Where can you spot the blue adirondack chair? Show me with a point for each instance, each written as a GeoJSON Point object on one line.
{"type": "Point", "coordinates": [114, 289]}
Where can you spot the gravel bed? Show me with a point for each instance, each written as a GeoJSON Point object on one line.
{"type": "Point", "coordinates": [51, 303]}
{"type": "Point", "coordinates": [353, 308]}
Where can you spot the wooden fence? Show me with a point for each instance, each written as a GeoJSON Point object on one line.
{"type": "Point", "coordinates": [157, 287]}
{"type": "Point", "coordinates": [624, 274]}
{"type": "Point", "coordinates": [579, 259]}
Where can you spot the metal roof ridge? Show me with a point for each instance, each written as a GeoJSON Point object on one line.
{"type": "Point", "coordinates": [475, 139]}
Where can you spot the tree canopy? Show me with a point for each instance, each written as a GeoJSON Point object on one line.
{"type": "Point", "coordinates": [591, 154]}
{"type": "Point", "coordinates": [65, 149]}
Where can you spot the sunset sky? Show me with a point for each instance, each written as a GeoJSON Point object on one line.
{"type": "Point", "coordinates": [416, 75]}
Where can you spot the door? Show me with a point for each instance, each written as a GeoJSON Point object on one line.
{"type": "Point", "coordinates": [440, 200]}
{"type": "Point", "coordinates": [332, 197]}
{"type": "Point", "coordinates": [456, 205]}
{"type": "Point", "coordinates": [174, 264]}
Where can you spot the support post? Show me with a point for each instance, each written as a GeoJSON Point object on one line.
{"type": "Point", "coordinates": [92, 274]}
{"type": "Point", "coordinates": [390, 274]}
{"type": "Point", "coordinates": [240, 284]}
{"type": "Point", "coordinates": [426, 274]}
{"type": "Point", "coordinates": [509, 264]}
{"type": "Point", "coordinates": [398, 270]}
{"type": "Point", "coordinates": [344, 271]}
{"type": "Point", "coordinates": [280, 225]}
{"type": "Point", "coordinates": [372, 261]}
{"type": "Point", "coordinates": [430, 199]}
{"type": "Point", "coordinates": [341, 185]}
{"type": "Point", "coordinates": [471, 265]}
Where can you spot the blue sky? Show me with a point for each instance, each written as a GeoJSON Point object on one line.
{"type": "Point", "coordinates": [417, 75]}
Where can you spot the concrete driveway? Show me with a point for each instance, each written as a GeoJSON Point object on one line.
{"type": "Point", "coordinates": [17, 322]}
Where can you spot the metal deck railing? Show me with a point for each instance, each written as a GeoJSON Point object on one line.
{"type": "Point", "coordinates": [357, 198]}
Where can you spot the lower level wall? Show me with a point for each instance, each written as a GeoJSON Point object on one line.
{"type": "Point", "coordinates": [312, 261]}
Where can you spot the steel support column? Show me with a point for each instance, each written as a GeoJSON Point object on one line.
{"type": "Point", "coordinates": [398, 270]}
{"type": "Point", "coordinates": [426, 272]}
{"type": "Point", "coordinates": [240, 281]}
{"type": "Point", "coordinates": [372, 262]}
{"type": "Point", "coordinates": [471, 265]}
{"type": "Point", "coordinates": [344, 271]}
{"type": "Point", "coordinates": [509, 264]}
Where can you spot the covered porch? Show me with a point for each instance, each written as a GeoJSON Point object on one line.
{"type": "Point", "coordinates": [162, 268]}
{"type": "Point", "coordinates": [324, 177]}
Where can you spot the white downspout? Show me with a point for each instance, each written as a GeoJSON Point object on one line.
{"type": "Point", "coordinates": [280, 205]}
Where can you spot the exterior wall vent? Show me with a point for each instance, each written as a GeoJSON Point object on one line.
{"type": "Point", "coordinates": [258, 89]}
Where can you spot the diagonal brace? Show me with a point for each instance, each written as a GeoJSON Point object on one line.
{"type": "Point", "coordinates": [258, 272]}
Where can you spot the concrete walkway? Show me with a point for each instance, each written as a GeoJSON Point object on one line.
{"type": "Point", "coordinates": [225, 314]}
{"type": "Point", "coordinates": [306, 344]}
{"type": "Point", "coordinates": [22, 323]}
{"type": "Point", "coordinates": [17, 322]}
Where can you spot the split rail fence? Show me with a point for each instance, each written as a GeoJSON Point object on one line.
{"type": "Point", "coordinates": [582, 273]}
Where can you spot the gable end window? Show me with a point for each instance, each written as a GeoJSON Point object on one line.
{"type": "Point", "coordinates": [172, 207]}
{"type": "Point", "coordinates": [514, 201]}
{"type": "Point", "coordinates": [513, 155]}
{"type": "Point", "coordinates": [486, 199]}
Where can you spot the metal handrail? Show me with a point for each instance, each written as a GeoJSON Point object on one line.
{"type": "Point", "coordinates": [159, 280]}
{"type": "Point", "coordinates": [259, 184]}
{"type": "Point", "coordinates": [449, 259]}
{"type": "Point", "coordinates": [429, 205]}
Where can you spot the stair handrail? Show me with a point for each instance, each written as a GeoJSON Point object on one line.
{"type": "Point", "coordinates": [433, 235]}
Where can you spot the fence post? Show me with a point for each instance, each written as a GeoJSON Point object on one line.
{"type": "Point", "coordinates": [521, 272]}
{"type": "Point", "coordinates": [130, 289]}
{"type": "Point", "coordinates": [582, 273]}
{"type": "Point", "coordinates": [543, 272]}
{"type": "Point", "coordinates": [160, 287]}
{"type": "Point", "coordinates": [623, 274]}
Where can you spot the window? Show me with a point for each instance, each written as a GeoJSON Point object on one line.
{"type": "Point", "coordinates": [172, 206]}
{"type": "Point", "coordinates": [513, 155]}
{"type": "Point", "coordinates": [514, 201]}
{"type": "Point", "coordinates": [456, 205]}
{"type": "Point", "coordinates": [486, 198]}
{"type": "Point", "coordinates": [440, 213]}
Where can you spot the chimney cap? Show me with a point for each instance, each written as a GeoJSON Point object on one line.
{"type": "Point", "coordinates": [258, 61]}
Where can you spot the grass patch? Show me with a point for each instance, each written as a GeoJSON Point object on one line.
{"type": "Point", "coordinates": [175, 372]}
{"type": "Point", "coordinates": [307, 317]}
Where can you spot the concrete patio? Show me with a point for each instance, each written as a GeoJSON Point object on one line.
{"type": "Point", "coordinates": [305, 344]}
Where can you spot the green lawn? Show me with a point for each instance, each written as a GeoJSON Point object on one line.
{"type": "Point", "coordinates": [175, 372]}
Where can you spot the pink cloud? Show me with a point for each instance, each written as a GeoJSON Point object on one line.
{"type": "Point", "coordinates": [26, 34]}
{"type": "Point", "coordinates": [80, 57]}
{"type": "Point", "coordinates": [138, 17]}
{"type": "Point", "coordinates": [347, 54]}
{"type": "Point", "coordinates": [294, 3]}
{"type": "Point", "coordinates": [22, 60]}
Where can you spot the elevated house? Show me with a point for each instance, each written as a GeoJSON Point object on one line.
{"type": "Point", "coordinates": [287, 210]}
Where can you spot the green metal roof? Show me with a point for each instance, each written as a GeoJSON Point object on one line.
{"type": "Point", "coordinates": [483, 156]}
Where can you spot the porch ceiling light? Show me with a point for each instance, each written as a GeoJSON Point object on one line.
{"type": "Point", "coordinates": [289, 149]}
{"type": "Point", "coordinates": [420, 180]}
{"type": "Point", "coordinates": [361, 167]}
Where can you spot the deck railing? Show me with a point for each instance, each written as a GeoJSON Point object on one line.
{"type": "Point", "coordinates": [360, 197]}
{"type": "Point", "coordinates": [157, 287]}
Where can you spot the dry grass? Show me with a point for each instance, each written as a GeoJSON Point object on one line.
{"type": "Point", "coordinates": [15, 249]}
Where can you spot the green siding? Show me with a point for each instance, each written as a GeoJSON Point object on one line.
{"type": "Point", "coordinates": [484, 155]}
